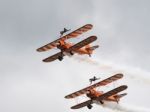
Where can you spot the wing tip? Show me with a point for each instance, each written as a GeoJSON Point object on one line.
{"type": "Point", "coordinates": [94, 37]}
{"type": "Point", "coordinates": [124, 86]}
{"type": "Point", "coordinates": [89, 25]}
{"type": "Point", "coordinates": [45, 60]}
{"type": "Point", "coordinates": [38, 50]}
{"type": "Point", "coordinates": [119, 74]}
{"type": "Point", "coordinates": [66, 97]}
{"type": "Point", "coordinates": [73, 107]}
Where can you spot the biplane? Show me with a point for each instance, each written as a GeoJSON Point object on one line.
{"type": "Point", "coordinates": [67, 48]}
{"type": "Point", "coordinates": [99, 97]}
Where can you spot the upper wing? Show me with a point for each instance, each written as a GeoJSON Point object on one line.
{"type": "Point", "coordinates": [102, 97]}
{"type": "Point", "coordinates": [82, 43]}
{"type": "Point", "coordinates": [101, 83]}
{"type": "Point", "coordinates": [79, 31]}
{"type": "Point", "coordinates": [73, 34]}
{"type": "Point", "coordinates": [54, 57]}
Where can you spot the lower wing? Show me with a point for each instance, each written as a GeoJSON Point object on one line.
{"type": "Point", "coordinates": [53, 57]}
{"type": "Point", "coordinates": [86, 103]}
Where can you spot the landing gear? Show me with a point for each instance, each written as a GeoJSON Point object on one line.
{"type": "Point", "coordinates": [101, 102]}
{"type": "Point", "coordinates": [60, 58]}
{"type": "Point", "coordinates": [71, 53]}
{"type": "Point", "coordinates": [89, 106]}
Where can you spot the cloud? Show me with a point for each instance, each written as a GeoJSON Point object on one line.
{"type": "Point", "coordinates": [28, 84]}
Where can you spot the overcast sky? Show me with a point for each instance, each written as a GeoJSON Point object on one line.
{"type": "Point", "coordinates": [28, 84]}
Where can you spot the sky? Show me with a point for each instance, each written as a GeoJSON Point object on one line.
{"type": "Point", "coordinates": [28, 84]}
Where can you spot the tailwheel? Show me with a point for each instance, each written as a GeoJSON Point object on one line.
{"type": "Point", "coordinates": [89, 106]}
{"type": "Point", "coordinates": [60, 58]}
{"type": "Point", "coordinates": [89, 55]}
{"type": "Point", "coordinates": [117, 100]}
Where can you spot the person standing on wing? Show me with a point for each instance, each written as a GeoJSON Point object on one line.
{"type": "Point", "coordinates": [64, 31]}
{"type": "Point", "coordinates": [93, 79]}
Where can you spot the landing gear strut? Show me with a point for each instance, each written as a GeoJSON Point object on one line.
{"type": "Point", "coordinates": [101, 102]}
{"type": "Point", "coordinates": [89, 106]}
{"type": "Point", "coordinates": [71, 53]}
{"type": "Point", "coordinates": [60, 58]}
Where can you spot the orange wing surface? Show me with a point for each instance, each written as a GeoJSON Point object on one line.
{"type": "Point", "coordinates": [79, 31]}
{"type": "Point", "coordinates": [72, 48]}
{"type": "Point", "coordinates": [73, 34]}
{"type": "Point", "coordinates": [101, 83]}
{"type": "Point", "coordinates": [100, 98]}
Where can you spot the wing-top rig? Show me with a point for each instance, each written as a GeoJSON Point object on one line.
{"type": "Point", "coordinates": [99, 96]}
{"type": "Point", "coordinates": [67, 48]}
{"type": "Point", "coordinates": [93, 79]}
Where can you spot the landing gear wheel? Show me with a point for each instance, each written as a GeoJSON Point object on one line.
{"type": "Point", "coordinates": [89, 106]}
{"type": "Point", "coordinates": [60, 58]}
{"type": "Point", "coordinates": [101, 102]}
{"type": "Point", "coordinates": [71, 53]}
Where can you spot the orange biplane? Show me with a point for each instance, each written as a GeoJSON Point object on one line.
{"type": "Point", "coordinates": [67, 48]}
{"type": "Point", "coordinates": [99, 97]}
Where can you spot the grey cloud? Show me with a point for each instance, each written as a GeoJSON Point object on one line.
{"type": "Point", "coordinates": [27, 84]}
{"type": "Point", "coordinates": [124, 30]}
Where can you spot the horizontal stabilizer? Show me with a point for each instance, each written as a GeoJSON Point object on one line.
{"type": "Point", "coordinates": [120, 95]}
{"type": "Point", "coordinates": [93, 47]}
